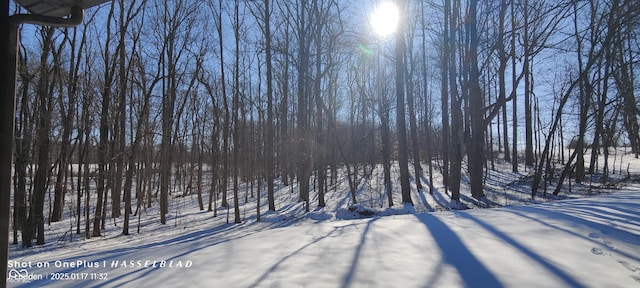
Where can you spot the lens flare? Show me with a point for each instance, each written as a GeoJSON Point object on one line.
{"type": "Point", "coordinates": [384, 19]}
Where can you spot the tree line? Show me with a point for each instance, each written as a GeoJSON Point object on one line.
{"type": "Point", "coordinates": [148, 100]}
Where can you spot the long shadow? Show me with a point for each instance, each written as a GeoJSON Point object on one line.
{"type": "Point", "coordinates": [586, 209]}
{"type": "Point", "coordinates": [348, 279]}
{"type": "Point", "coordinates": [116, 254]}
{"type": "Point", "coordinates": [441, 200]}
{"type": "Point", "coordinates": [483, 203]}
{"type": "Point", "coordinates": [421, 194]}
{"type": "Point", "coordinates": [522, 196]}
{"type": "Point", "coordinates": [454, 252]}
{"type": "Point", "coordinates": [436, 195]}
{"type": "Point", "coordinates": [424, 200]}
{"type": "Point", "coordinates": [597, 213]}
{"type": "Point", "coordinates": [147, 271]}
{"type": "Point", "coordinates": [347, 196]}
{"type": "Point", "coordinates": [629, 213]}
{"type": "Point", "coordinates": [144, 272]}
{"type": "Point", "coordinates": [613, 206]}
{"type": "Point", "coordinates": [285, 258]}
{"type": "Point", "coordinates": [549, 266]}
{"type": "Point", "coordinates": [586, 237]}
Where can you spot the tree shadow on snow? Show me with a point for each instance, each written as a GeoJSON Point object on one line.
{"type": "Point", "coordinates": [348, 279]}
{"type": "Point", "coordinates": [570, 281]}
{"type": "Point", "coordinates": [336, 231]}
{"type": "Point", "coordinates": [601, 217]}
{"type": "Point", "coordinates": [443, 202]}
{"type": "Point", "coordinates": [455, 253]}
{"type": "Point", "coordinates": [423, 198]}
{"type": "Point", "coordinates": [596, 226]}
{"type": "Point", "coordinates": [217, 235]}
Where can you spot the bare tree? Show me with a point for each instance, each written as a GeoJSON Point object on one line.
{"type": "Point", "coordinates": [303, 26]}
{"type": "Point", "coordinates": [478, 126]}
{"type": "Point", "coordinates": [236, 109]}
{"type": "Point", "coordinates": [503, 59]}
{"type": "Point", "coordinates": [45, 105]}
{"type": "Point", "coordinates": [411, 92]}
{"type": "Point", "coordinates": [514, 83]}
{"type": "Point", "coordinates": [66, 114]}
{"type": "Point", "coordinates": [401, 126]}
{"type": "Point", "coordinates": [175, 27]}
{"type": "Point", "coordinates": [428, 114]}
{"type": "Point", "coordinates": [218, 11]}
{"type": "Point", "coordinates": [457, 125]}
{"type": "Point", "coordinates": [109, 68]}
{"type": "Point", "coordinates": [444, 92]}
{"type": "Point", "coordinates": [594, 55]}
{"type": "Point", "coordinates": [269, 139]}
{"type": "Point", "coordinates": [24, 129]}
{"type": "Point", "coordinates": [262, 12]}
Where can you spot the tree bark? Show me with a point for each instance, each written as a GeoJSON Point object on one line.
{"type": "Point", "coordinates": [401, 126]}
{"type": "Point", "coordinates": [476, 152]}
{"type": "Point", "coordinates": [45, 99]}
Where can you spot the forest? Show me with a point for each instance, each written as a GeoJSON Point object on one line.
{"type": "Point", "coordinates": [150, 100]}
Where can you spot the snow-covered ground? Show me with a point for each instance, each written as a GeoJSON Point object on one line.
{"type": "Point", "coordinates": [566, 241]}
{"type": "Point", "coordinates": [589, 242]}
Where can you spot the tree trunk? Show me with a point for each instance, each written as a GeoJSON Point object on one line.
{"type": "Point", "coordinates": [304, 143]}
{"type": "Point", "coordinates": [428, 117]}
{"type": "Point", "coordinates": [45, 99]}
{"type": "Point", "coordinates": [104, 129]}
{"type": "Point", "coordinates": [227, 114]}
{"type": "Point", "coordinates": [528, 117]}
{"type": "Point", "coordinates": [502, 68]}
{"type": "Point", "coordinates": [514, 83]}
{"type": "Point", "coordinates": [476, 151]}
{"type": "Point", "coordinates": [456, 112]}
{"type": "Point", "coordinates": [269, 150]}
{"type": "Point", "coordinates": [24, 125]}
{"type": "Point", "coordinates": [413, 126]}
{"type": "Point", "coordinates": [444, 94]}
{"type": "Point", "coordinates": [401, 126]}
{"type": "Point", "coordinates": [236, 116]}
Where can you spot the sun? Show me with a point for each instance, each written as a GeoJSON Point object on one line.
{"type": "Point", "coordinates": [384, 19]}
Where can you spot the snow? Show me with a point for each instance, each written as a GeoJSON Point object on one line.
{"type": "Point", "coordinates": [588, 242]}
{"type": "Point", "coordinates": [567, 241]}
